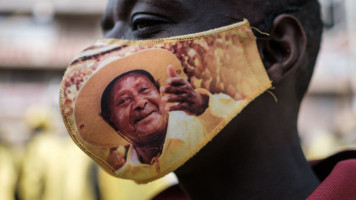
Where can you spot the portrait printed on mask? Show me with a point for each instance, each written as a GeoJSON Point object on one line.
{"type": "Point", "coordinates": [134, 105]}
{"type": "Point", "coordinates": [141, 109]}
{"type": "Point", "coordinates": [144, 112]}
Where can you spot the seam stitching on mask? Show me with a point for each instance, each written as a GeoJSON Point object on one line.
{"type": "Point", "coordinates": [188, 37]}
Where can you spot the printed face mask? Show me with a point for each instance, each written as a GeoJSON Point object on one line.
{"type": "Point", "coordinates": [141, 109]}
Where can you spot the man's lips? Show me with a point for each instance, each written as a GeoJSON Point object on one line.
{"type": "Point", "coordinates": [140, 118]}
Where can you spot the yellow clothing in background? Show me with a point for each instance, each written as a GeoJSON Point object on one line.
{"type": "Point", "coordinates": [112, 188]}
{"type": "Point", "coordinates": [8, 175]}
{"type": "Point", "coordinates": [54, 168]}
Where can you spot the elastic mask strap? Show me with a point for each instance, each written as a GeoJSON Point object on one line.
{"type": "Point", "coordinates": [260, 33]}
{"type": "Point", "coordinates": [268, 36]}
{"type": "Point", "coordinates": [272, 94]}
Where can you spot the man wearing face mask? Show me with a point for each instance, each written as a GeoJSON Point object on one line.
{"type": "Point", "coordinates": [258, 154]}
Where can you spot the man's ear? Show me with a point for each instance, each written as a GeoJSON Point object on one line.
{"type": "Point", "coordinates": [284, 51]}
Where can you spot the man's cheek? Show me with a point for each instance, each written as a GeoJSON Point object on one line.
{"type": "Point", "coordinates": [123, 118]}
{"type": "Point", "coordinates": [157, 100]}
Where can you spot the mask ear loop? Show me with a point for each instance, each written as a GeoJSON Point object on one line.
{"type": "Point", "coordinates": [260, 32]}
{"type": "Point", "coordinates": [272, 88]}
{"type": "Point", "coordinates": [272, 94]}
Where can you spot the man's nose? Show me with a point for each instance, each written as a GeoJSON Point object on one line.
{"type": "Point", "coordinates": [140, 103]}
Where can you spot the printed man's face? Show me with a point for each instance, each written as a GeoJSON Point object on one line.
{"type": "Point", "coordinates": [137, 109]}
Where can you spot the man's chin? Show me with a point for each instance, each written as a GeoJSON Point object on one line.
{"type": "Point", "coordinates": [149, 125]}
{"type": "Point", "coordinates": [149, 136]}
{"type": "Point", "coordinates": [147, 133]}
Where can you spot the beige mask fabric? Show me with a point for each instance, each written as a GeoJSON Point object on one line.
{"type": "Point", "coordinates": [142, 108]}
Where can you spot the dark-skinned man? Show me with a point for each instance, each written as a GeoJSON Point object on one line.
{"type": "Point", "coordinates": [258, 154]}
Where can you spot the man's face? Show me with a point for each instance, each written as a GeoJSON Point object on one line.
{"type": "Point", "coordinates": [145, 19]}
{"type": "Point", "coordinates": [149, 19]}
{"type": "Point", "coordinates": [137, 109]}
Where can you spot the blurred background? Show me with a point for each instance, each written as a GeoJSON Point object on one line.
{"type": "Point", "coordinates": [38, 38]}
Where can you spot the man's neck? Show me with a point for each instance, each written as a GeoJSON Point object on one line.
{"type": "Point", "coordinates": [146, 154]}
{"type": "Point", "coordinates": [250, 161]}
{"type": "Point", "coordinates": [272, 174]}
{"type": "Point", "coordinates": [152, 149]}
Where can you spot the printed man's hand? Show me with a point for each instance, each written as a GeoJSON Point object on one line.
{"type": "Point", "coordinates": [116, 158]}
{"type": "Point", "coordinates": [183, 94]}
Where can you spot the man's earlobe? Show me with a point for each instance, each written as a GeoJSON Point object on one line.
{"type": "Point", "coordinates": [285, 49]}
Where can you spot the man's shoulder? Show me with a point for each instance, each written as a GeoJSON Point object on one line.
{"type": "Point", "coordinates": [338, 176]}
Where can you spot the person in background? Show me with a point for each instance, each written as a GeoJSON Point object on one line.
{"type": "Point", "coordinates": [8, 173]}
{"type": "Point", "coordinates": [52, 166]}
